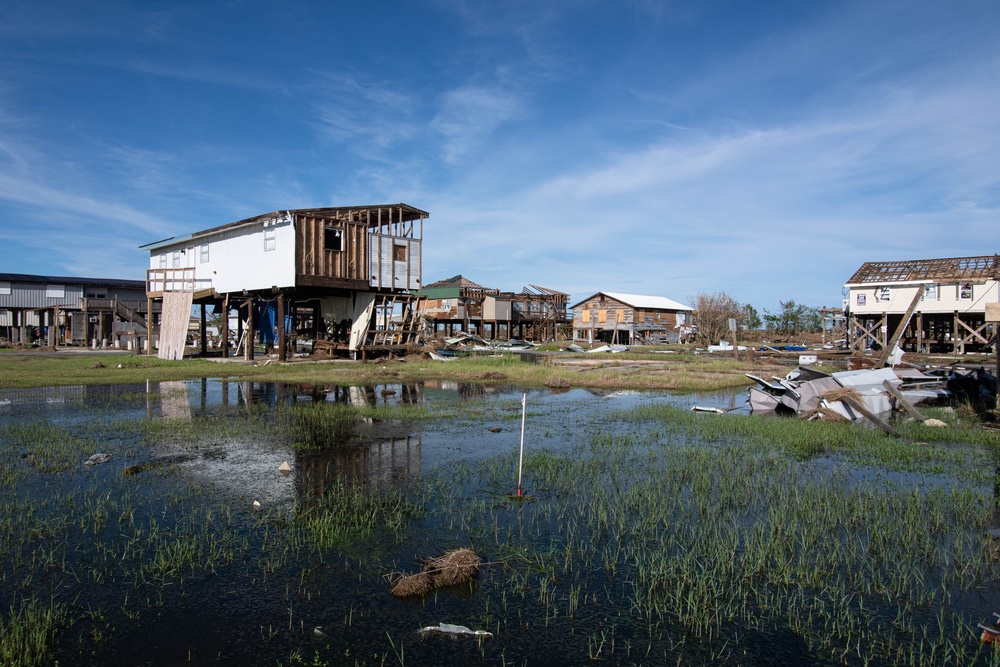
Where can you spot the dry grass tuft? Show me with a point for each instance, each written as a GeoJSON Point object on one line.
{"type": "Point", "coordinates": [411, 585]}
{"type": "Point", "coordinates": [557, 383]}
{"type": "Point", "coordinates": [454, 567]}
{"type": "Point", "coordinates": [493, 375]}
{"type": "Point", "coordinates": [842, 393]}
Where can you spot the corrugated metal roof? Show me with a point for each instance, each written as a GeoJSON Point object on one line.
{"type": "Point", "coordinates": [642, 301]}
{"type": "Point", "coordinates": [64, 280]}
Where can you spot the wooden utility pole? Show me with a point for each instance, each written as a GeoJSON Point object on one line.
{"type": "Point", "coordinates": [282, 342]}
{"type": "Point", "coordinates": [993, 315]}
{"type": "Point", "coordinates": [224, 327]}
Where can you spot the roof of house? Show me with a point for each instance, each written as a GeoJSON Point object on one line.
{"type": "Point", "coordinates": [641, 301]}
{"type": "Point", "coordinates": [984, 267]}
{"type": "Point", "coordinates": [64, 280]}
{"type": "Point", "coordinates": [454, 281]}
{"type": "Point", "coordinates": [402, 213]}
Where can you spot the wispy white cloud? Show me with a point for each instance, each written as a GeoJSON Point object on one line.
{"type": "Point", "coordinates": [470, 114]}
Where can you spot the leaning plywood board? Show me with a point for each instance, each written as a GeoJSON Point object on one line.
{"type": "Point", "coordinates": [174, 324]}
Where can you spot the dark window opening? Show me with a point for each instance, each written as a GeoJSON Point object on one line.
{"type": "Point", "coordinates": [399, 253]}
{"type": "Point", "coordinates": [333, 239]}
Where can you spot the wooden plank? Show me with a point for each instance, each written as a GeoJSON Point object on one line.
{"type": "Point", "coordinates": [891, 343]}
{"type": "Point", "coordinates": [895, 393]}
{"type": "Point", "coordinates": [869, 415]}
{"type": "Point", "coordinates": [174, 324]}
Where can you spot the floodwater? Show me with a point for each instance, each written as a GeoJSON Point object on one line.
{"type": "Point", "coordinates": [240, 598]}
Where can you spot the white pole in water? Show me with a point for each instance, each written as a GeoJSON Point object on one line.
{"type": "Point", "coordinates": [520, 461]}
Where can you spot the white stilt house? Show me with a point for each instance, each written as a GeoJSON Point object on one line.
{"type": "Point", "coordinates": [342, 273]}
{"type": "Point", "coordinates": [941, 304]}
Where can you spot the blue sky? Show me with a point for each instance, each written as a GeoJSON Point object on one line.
{"type": "Point", "coordinates": [764, 149]}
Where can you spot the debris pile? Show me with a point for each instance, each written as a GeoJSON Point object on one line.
{"type": "Point", "coordinates": [464, 343]}
{"type": "Point", "coordinates": [849, 395]}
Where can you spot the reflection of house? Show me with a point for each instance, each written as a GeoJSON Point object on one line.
{"type": "Point", "coordinates": [329, 272]}
{"type": "Point", "coordinates": [944, 302]}
{"type": "Point", "coordinates": [629, 319]}
{"type": "Point", "coordinates": [82, 309]}
{"type": "Point", "coordinates": [457, 303]}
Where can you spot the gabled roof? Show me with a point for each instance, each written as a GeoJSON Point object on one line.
{"type": "Point", "coordinates": [640, 301]}
{"type": "Point", "coordinates": [984, 267]}
{"type": "Point", "coordinates": [401, 213]}
{"type": "Point", "coordinates": [454, 281]}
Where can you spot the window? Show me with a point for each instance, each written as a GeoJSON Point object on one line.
{"type": "Point", "coordinates": [602, 315]}
{"type": "Point", "coordinates": [177, 259]}
{"type": "Point", "coordinates": [203, 254]}
{"type": "Point", "coordinates": [446, 304]}
{"type": "Point", "coordinates": [882, 294]}
{"type": "Point", "coordinates": [333, 239]}
{"type": "Point", "coordinates": [270, 240]}
{"type": "Point", "coordinates": [163, 260]}
{"type": "Point", "coordinates": [861, 299]}
{"type": "Point", "coordinates": [584, 315]}
{"type": "Point", "coordinates": [399, 253]}
{"type": "Point", "coordinates": [965, 291]}
{"type": "Point", "coordinates": [930, 292]}
{"type": "Point", "coordinates": [5, 289]}
{"type": "Point", "coordinates": [55, 291]}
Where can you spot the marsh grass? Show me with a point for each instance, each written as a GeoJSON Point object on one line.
{"type": "Point", "coordinates": [654, 536]}
{"type": "Point", "coordinates": [27, 631]}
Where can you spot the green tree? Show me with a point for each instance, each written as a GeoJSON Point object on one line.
{"type": "Point", "coordinates": [750, 318]}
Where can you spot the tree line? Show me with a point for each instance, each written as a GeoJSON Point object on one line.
{"type": "Point", "coordinates": [713, 313]}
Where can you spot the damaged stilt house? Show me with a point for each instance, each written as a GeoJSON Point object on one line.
{"type": "Point", "coordinates": [924, 305]}
{"type": "Point", "coordinates": [342, 278]}
{"type": "Point", "coordinates": [458, 304]}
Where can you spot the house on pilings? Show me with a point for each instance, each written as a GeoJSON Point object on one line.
{"type": "Point", "coordinates": [459, 304]}
{"type": "Point", "coordinates": [60, 310]}
{"type": "Point", "coordinates": [630, 319]}
{"type": "Point", "coordinates": [941, 304]}
{"type": "Point", "coordinates": [341, 277]}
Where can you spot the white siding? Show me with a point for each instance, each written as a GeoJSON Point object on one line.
{"type": "Point", "coordinates": [866, 300]}
{"type": "Point", "coordinates": [250, 257]}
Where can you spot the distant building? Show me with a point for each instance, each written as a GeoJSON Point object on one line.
{"type": "Point", "coordinates": [630, 319]}
{"type": "Point", "coordinates": [459, 304]}
{"type": "Point", "coordinates": [344, 273]}
{"type": "Point", "coordinates": [946, 300]}
{"type": "Point", "coordinates": [60, 310]}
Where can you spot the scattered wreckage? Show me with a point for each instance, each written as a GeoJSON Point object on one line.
{"type": "Point", "coordinates": [869, 394]}
{"type": "Point", "coordinates": [465, 343]}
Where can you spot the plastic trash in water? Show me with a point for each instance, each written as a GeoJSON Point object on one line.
{"type": "Point", "coordinates": [456, 631]}
{"type": "Point", "coordinates": [95, 459]}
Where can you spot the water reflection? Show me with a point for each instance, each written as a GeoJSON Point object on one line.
{"type": "Point", "coordinates": [382, 454]}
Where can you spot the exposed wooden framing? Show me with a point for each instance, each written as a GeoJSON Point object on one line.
{"type": "Point", "coordinates": [862, 334]}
